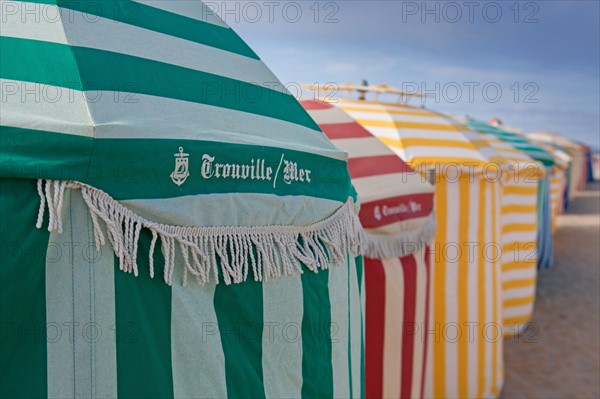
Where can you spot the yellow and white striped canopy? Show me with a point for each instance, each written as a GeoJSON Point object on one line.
{"type": "Point", "coordinates": [465, 359]}
{"type": "Point", "coordinates": [422, 137]}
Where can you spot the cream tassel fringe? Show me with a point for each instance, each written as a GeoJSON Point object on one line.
{"type": "Point", "coordinates": [264, 251]}
{"type": "Point", "coordinates": [399, 245]}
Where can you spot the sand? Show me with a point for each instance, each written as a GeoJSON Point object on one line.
{"type": "Point", "coordinates": [560, 356]}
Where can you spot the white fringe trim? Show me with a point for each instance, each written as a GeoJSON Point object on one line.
{"type": "Point", "coordinates": [401, 244]}
{"type": "Point", "coordinates": [269, 251]}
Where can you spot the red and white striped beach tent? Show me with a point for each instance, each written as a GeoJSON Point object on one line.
{"type": "Point", "coordinates": [465, 358]}
{"type": "Point", "coordinates": [397, 214]}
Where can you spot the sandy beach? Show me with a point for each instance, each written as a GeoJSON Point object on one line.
{"type": "Point", "coordinates": [560, 356]}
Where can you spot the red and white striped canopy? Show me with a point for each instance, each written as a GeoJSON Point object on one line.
{"type": "Point", "coordinates": [396, 202]}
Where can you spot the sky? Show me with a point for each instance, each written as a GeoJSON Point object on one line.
{"type": "Point", "coordinates": [533, 64]}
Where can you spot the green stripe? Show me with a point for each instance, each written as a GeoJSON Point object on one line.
{"type": "Point", "coordinates": [143, 329]}
{"type": "Point", "coordinates": [350, 290]}
{"type": "Point", "coordinates": [157, 20]}
{"type": "Point", "coordinates": [239, 309]}
{"type": "Point", "coordinates": [34, 154]}
{"type": "Point", "coordinates": [317, 369]}
{"type": "Point", "coordinates": [103, 70]}
{"type": "Point", "coordinates": [23, 356]}
{"type": "Point", "coordinates": [518, 142]}
{"type": "Point", "coordinates": [122, 167]}
{"type": "Point", "coordinates": [359, 262]}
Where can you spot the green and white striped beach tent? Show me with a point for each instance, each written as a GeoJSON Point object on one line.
{"type": "Point", "coordinates": [159, 145]}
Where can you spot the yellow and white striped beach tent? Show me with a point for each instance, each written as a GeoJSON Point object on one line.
{"type": "Point", "coordinates": [578, 155]}
{"type": "Point", "coordinates": [465, 336]}
{"type": "Point", "coordinates": [519, 224]}
{"type": "Point", "coordinates": [559, 180]}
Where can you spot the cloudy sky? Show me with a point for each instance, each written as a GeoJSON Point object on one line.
{"type": "Point", "coordinates": [535, 65]}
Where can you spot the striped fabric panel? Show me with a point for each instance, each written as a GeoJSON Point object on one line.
{"type": "Point", "coordinates": [99, 77]}
{"type": "Point", "coordinates": [519, 252]}
{"type": "Point", "coordinates": [545, 240]}
{"type": "Point", "coordinates": [419, 136]}
{"type": "Point", "coordinates": [465, 334]}
{"type": "Point", "coordinates": [576, 151]}
{"type": "Point", "coordinates": [557, 189]}
{"type": "Point", "coordinates": [372, 167]}
{"type": "Point", "coordinates": [517, 141]}
{"type": "Point", "coordinates": [396, 310]}
{"type": "Point", "coordinates": [396, 290]}
{"type": "Point", "coordinates": [111, 334]}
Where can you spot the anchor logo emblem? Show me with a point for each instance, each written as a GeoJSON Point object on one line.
{"type": "Point", "coordinates": [377, 213]}
{"type": "Point", "coordinates": [181, 172]}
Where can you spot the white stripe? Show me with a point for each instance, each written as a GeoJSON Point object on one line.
{"type": "Point", "coordinates": [418, 343]}
{"type": "Point", "coordinates": [489, 295]}
{"type": "Point", "coordinates": [394, 318]}
{"type": "Point", "coordinates": [251, 210]}
{"type": "Point", "coordinates": [80, 309]}
{"type": "Point", "coordinates": [470, 332]}
{"type": "Point", "coordinates": [191, 9]}
{"type": "Point", "coordinates": [518, 199]}
{"type": "Point", "coordinates": [165, 118]}
{"type": "Point", "coordinates": [402, 118]}
{"type": "Point", "coordinates": [281, 340]}
{"type": "Point", "coordinates": [449, 326]}
{"type": "Point", "coordinates": [410, 225]}
{"type": "Point", "coordinates": [362, 147]}
{"type": "Point", "coordinates": [525, 292]}
{"type": "Point", "coordinates": [405, 133]}
{"type": "Point", "coordinates": [43, 107]}
{"type": "Point", "coordinates": [519, 218]}
{"type": "Point", "coordinates": [519, 274]}
{"type": "Point", "coordinates": [329, 116]}
{"type": "Point", "coordinates": [515, 311]}
{"type": "Point", "coordinates": [196, 341]}
{"type": "Point", "coordinates": [32, 21]}
{"type": "Point", "coordinates": [373, 188]}
{"type": "Point", "coordinates": [356, 342]}
{"type": "Point", "coordinates": [428, 152]}
{"type": "Point", "coordinates": [343, 103]}
{"type": "Point", "coordinates": [526, 255]}
{"type": "Point", "coordinates": [338, 297]}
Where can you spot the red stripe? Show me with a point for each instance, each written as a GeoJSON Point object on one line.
{"type": "Point", "coordinates": [409, 327]}
{"type": "Point", "coordinates": [377, 165]}
{"type": "Point", "coordinates": [428, 283]}
{"type": "Point", "coordinates": [374, 327]}
{"type": "Point", "coordinates": [312, 104]}
{"type": "Point", "coordinates": [390, 210]}
{"type": "Point", "coordinates": [348, 130]}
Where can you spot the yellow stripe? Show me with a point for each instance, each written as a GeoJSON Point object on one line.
{"type": "Point", "coordinates": [481, 290]}
{"type": "Point", "coordinates": [531, 209]}
{"type": "Point", "coordinates": [412, 125]}
{"type": "Point", "coordinates": [509, 321]}
{"type": "Point", "coordinates": [510, 266]}
{"type": "Point", "coordinates": [495, 292]}
{"type": "Point", "coordinates": [439, 302]}
{"type": "Point", "coordinates": [414, 142]}
{"type": "Point", "coordinates": [521, 246]}
{"type": "Point", "coordinates": [528, 300]}
{"type": "Point", "coordinates": [469, 163]}
{"type": "Point", "coordinates": [519, 227]}
{"type": "Point", "coordinates": [463, 289]}
{"type": "Point", "coordinates": [520, 190]}
{"type": "Point", "coordinates": [388, 111]}
{"type": "Point", "coordinates": [524, 283]}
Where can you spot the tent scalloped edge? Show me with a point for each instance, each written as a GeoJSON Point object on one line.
{"type": "Point", "coordinates": [401, 244]}
{"type": "Point", "coordinates": [268, 251]}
